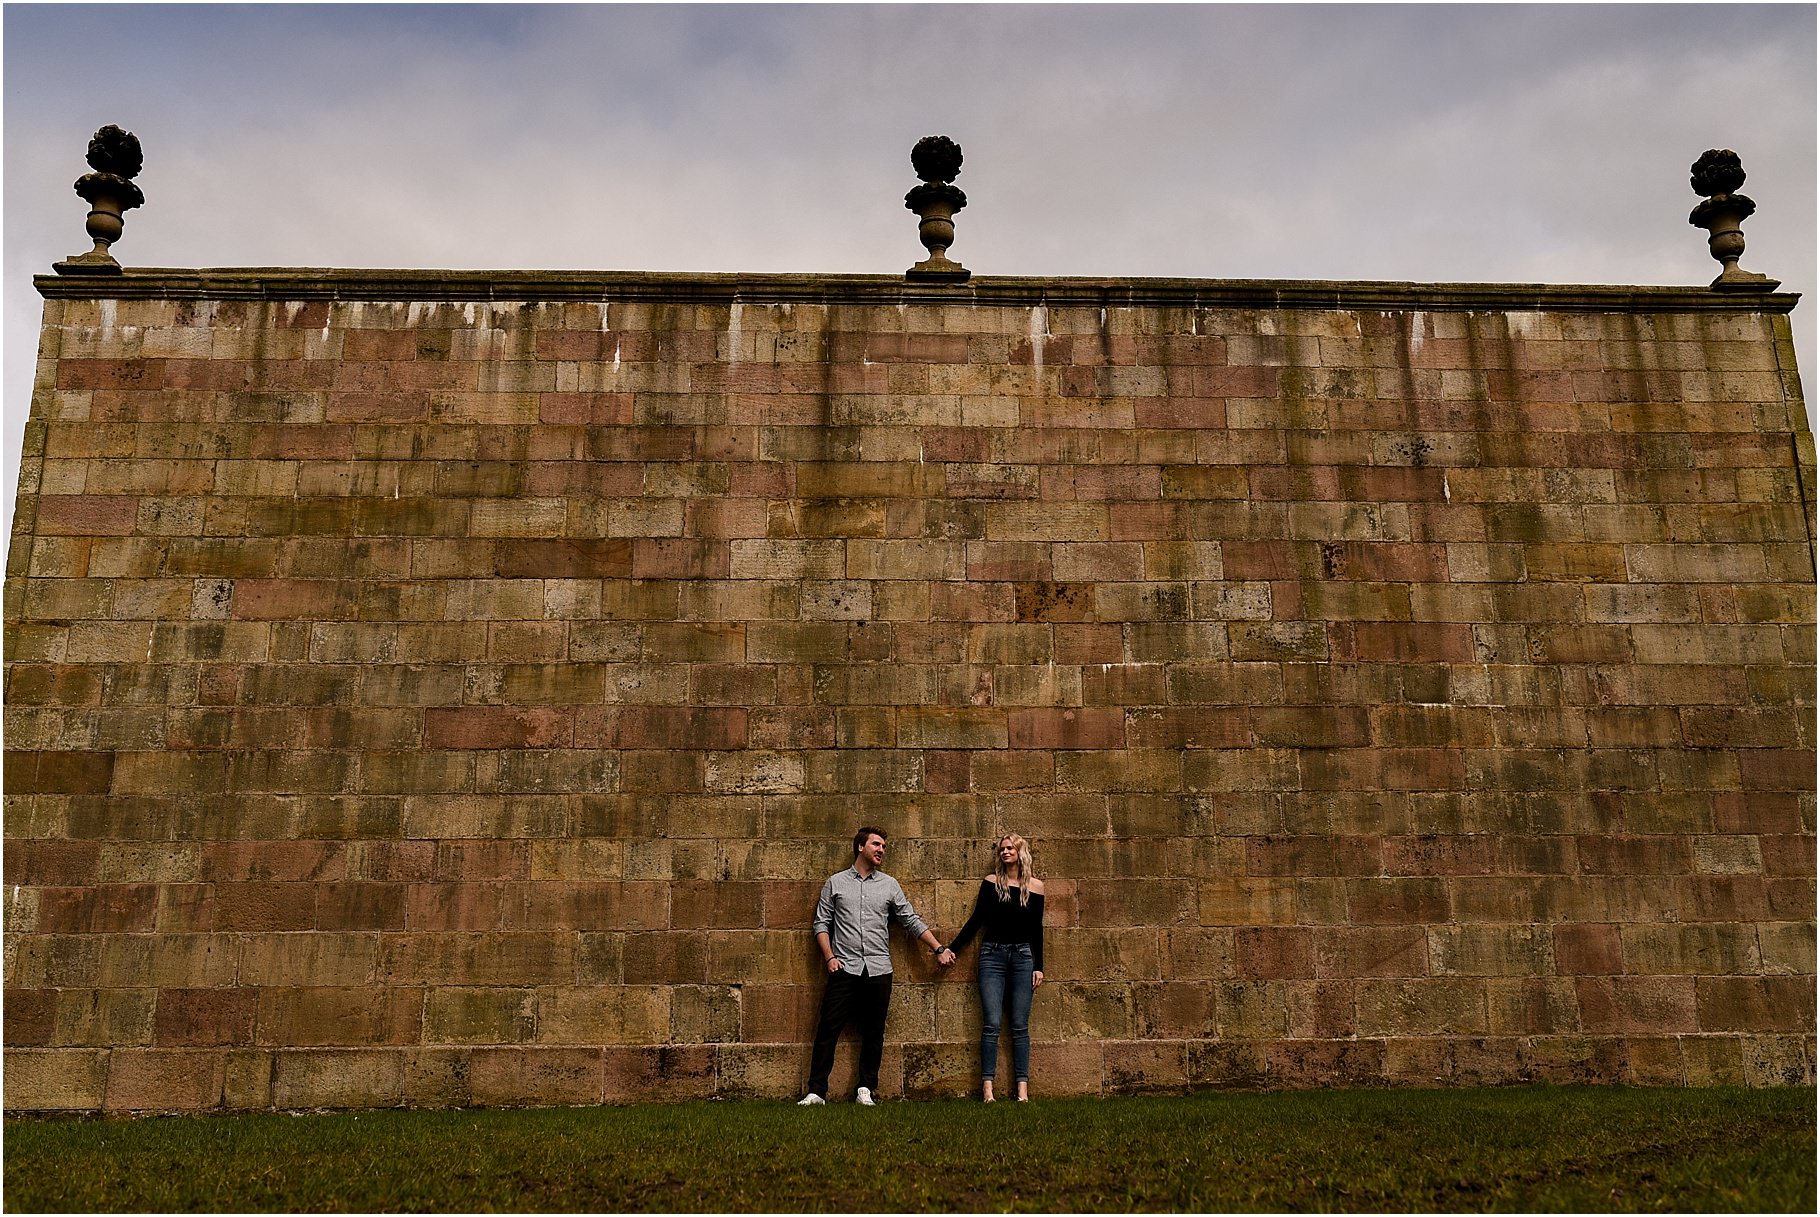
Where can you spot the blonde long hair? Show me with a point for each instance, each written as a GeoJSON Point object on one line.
{"type": "Point", "coordinates": [1001, 877]}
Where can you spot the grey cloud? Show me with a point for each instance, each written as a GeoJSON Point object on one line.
{"type": "Point", "coordinates": [1520, 143]}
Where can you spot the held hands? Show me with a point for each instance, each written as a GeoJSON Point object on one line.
{"type": "Point", "coordinates": [945, 956]}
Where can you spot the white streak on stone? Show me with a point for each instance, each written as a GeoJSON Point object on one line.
{"type": "Point", "coordinates": [1039, 333]}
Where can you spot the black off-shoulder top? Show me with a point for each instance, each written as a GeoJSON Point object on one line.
{"type": "Point", "coordinates": [1005, 921]}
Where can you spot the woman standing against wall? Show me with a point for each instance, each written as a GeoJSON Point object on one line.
{"type": "Point", "coordinates": [1010, 911]}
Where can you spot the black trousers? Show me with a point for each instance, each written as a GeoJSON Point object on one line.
{"type": "Point", "coordinates": [849, 998]}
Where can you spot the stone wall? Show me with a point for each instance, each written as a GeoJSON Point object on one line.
{"type": "Point", "coordinates": [444, 689]}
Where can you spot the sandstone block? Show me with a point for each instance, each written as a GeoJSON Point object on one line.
{"type": "Point", "coordinates": [1754, 1003]}
{"type": "Point", "coordinates": [1485, 950]}
{"type": "Point", "coordinates": [1177, 1010]}
{"type": "Point", "coordinates": [666, 1074]}
{"type": "Point", "coordinates": [1349, 952]}
{"type": "Point", "coordinates": [1588, 950]}
{"type": "Point", "coordinates": [1713, 1060]}
{"type": "Point", "coordinates": [1246, 902]}
{"type": "Point", "coordinates": [1235, 1065]}
{"type": "Point", "coordinates": [55, 1079]}
{"type": "Point", "coordinates": [535, 1077]}
{"type": "Point", "coordinates": [1532, 1006]}
{"type": "Point", "coordinates": [1787, 947]}
{"type": "Point", "coordinates": [1325, 1063]}
{"type": "Point", "coordinates": [159, 1079]}
{"type": "Point", "coordinates": [296, 1017]}
{"type": "Point", "coordinates": [1690, 949]}
{"type": "Point", "coordinates": [338, 1077]}
{"type": "Point", "coordinates": [479, 959]}
{"type": "Point", "coordinates": [1422, 1007]}
{"type": "Point", "coordinates": [760, 1071]}
{"type": "Point", "coordinates": [204, 1017]}
{"type": "Point", "coordinates": [1646, 1005]}
{"type": "Point", "coordinates": [1146, 1067]}
{"type": "Point", "coordinates": [1779, 1060]}
{"type": "Point", "coordinates": [246, 1082]}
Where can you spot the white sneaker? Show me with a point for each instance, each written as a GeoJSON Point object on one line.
{"type": "Point", "coordinates": [864, 1097]}
{"type": "Point", "coordinates": [811, 1100]}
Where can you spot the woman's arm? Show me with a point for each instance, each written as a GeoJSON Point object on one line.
{"type": "Point", "coordinates": [1036, 930]}
{"type": "Point", "coordinates": [976, 920]}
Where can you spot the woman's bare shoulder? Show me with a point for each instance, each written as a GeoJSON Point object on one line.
{"type": "Point", "coordinates": [1036, 887]}
{"type": "Point", "coordinates": [988, 879]}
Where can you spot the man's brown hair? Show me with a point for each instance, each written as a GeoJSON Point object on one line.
{"type": "Point", "coordinates": [859, 838]}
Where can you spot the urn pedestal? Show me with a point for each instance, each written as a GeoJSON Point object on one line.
{"type": "Point", "coordinates": [935, 203]}
{"type": "Point", "coordinates": [109, 197]}
{"type": "Point", "coordinates": [1718, 173]}
{"type": "Point", "coordinates": [937, 160]}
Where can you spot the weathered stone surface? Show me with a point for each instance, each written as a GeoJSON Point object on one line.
{"type": "Point", "coordinates": [441, 689]}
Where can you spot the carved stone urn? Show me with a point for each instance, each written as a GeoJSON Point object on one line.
{"type": "Point", "coordinates": [114, 156]}
{"type": "Point", "coordinates": [937, 160]}
{"type": "Point", "coordinates": [1718, 173]}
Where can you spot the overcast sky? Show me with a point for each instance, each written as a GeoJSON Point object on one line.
{"type": "Point", "coordinates": [1480, 143]}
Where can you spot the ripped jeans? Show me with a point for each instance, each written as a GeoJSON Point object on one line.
{"type": "Point", "coordinates": [1005, 978]}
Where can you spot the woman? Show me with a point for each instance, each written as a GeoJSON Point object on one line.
{"type": "Point", "coordinates": [1010, 909]}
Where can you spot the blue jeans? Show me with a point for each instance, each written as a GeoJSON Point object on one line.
{"type": "Point", "coordinates": [1005, 972]}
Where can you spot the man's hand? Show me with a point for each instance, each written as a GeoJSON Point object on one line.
{"type": "Point", "coordinates": [833, 965]}
{"type": "Point", "coordinates": [1036, 980]}
{"type": "Point", "coordinates": [946, 957]}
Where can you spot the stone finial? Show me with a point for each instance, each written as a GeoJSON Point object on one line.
{"type": "Point", "coordinates": [1718, 173]}
{"type": "Point", "coordinates": [937, 160]}
{"type": "Point", "coordinates": [115, 157]}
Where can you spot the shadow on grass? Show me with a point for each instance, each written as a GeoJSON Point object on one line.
{"type": "Point", "coordinates": [1547, 1149]}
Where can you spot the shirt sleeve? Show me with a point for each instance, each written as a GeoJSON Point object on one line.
{"type": "Point", "coordinates": [824, 909]}
{"type": "Point", "coordinates": [903, 913]}
{"type": "Point", "coordinates": [975, 921]}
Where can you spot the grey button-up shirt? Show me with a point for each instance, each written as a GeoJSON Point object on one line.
{"type": "Point", "coordinates": [856, 915]}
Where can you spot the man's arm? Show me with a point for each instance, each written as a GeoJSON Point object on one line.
{"type": "Point", "coordinates": [824, 921]}
{"type": "Point", "coordinates": [903, 912]}
{"type": "Point", "coordinates": [943, 955]}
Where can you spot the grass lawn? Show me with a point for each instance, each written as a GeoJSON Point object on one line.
{"type": "Point", "coordinates": [1537, 1148]}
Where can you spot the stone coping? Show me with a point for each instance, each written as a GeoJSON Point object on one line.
{"type": "Point", "coordinates": [298, 283]}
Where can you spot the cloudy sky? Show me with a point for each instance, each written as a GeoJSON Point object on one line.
{"type": "Point", "coordinates": [1487, 143]}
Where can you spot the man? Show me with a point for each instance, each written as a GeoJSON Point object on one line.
{"type": "Point", "coordinates": [853, 929]}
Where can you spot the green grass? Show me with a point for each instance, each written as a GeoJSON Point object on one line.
{"type": "Point", "coordinates": [1538, 1149]}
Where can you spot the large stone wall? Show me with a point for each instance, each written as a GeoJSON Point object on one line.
{"type": "Point", "coordinates": [440, 690]}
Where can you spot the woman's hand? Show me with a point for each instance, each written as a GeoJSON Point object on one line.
{"type": "Point", "coordinates": [1036, 980]}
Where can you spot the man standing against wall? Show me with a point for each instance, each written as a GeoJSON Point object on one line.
{"type": "Point", "coordinates": [853, 929]}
